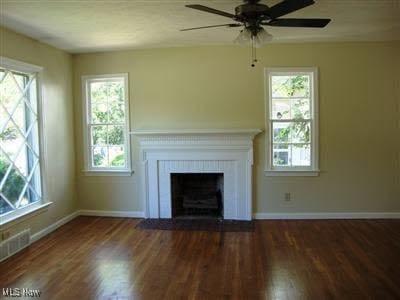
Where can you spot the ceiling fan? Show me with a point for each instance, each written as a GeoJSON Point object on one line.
{"type": "Point", "coordinates": [254, 15]}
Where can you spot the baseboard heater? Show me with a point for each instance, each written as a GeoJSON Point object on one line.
{"type": "Point", "coordinates": [15, 244]}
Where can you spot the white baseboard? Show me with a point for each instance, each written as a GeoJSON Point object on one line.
{"type": "Point", "coordinates": [111, 213]}
{"type": "Point", "coordinates": [344, 215]}
{"type": "Point", "coordinates": [101, 213]}
{"type": "Point", "coordinates": [38, 235]}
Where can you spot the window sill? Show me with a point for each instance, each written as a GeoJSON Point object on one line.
{"type": "Point", "coordinates": [108, 172]}
{"type": "Point", "coordinates": [23, 214]}
{"type": "Point", "coordinates": [291, 173]}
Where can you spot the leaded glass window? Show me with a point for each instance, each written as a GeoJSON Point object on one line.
{"type": "Point", "coordinates": [20, 168]}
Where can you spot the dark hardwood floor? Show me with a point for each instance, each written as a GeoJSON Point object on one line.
{"type": "Point", "coordinates": [107, 258]}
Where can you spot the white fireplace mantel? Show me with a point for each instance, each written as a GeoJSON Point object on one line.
{"type": "Point", "coordinates": [226, 151]}
{"type": "Point", "coordinates": [251, 132]}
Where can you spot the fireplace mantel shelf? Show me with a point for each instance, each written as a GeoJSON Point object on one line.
{"type": "Point", "coordinates": [251, 132]}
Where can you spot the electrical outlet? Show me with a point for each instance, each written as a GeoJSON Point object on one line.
{"type": "Point", "coordinates": [288, 198]}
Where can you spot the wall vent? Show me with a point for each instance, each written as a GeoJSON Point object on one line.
{"type": "Point", "coordinates": [14, 244]}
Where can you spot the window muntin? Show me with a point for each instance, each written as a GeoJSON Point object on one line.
{"type": "Point", "coordinates": [292, 122]}
{"type": "Point", "coordinates": [106, 118]}
{"type": "Point", "coordinates": [20, 168]}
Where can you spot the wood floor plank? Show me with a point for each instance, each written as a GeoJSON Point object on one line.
{"type": "Point", "coordinates": [107, 258]}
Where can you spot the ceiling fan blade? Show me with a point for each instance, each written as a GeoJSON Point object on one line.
{"type": "Point", "coordinates": [211, 26]}
{"type": "Point", "coordinates": [211, 10]}
{"type": "Point", "coordinates": [318, 23]}
{"type": "Point", "coordinates": [288, 6]}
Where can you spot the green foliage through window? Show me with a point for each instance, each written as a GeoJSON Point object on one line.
{"type": "Point", "coordinates": [15, 182]}
{"type": "Point", "coordinates": [291, 101]}
{"type": "Point", "coordinates": [107, 126]}
{"type": "Point", "coordinates": [19, 151]}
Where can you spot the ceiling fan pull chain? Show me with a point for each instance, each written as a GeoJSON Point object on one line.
{"type": "Point", "coordinates": [253, 52]}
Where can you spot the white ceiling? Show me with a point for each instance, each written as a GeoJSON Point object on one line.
{"type": "Point", "coordinates": [101, 25]}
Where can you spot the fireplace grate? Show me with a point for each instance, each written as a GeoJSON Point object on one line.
{"type": "Point", "coordinates": [197, 194]}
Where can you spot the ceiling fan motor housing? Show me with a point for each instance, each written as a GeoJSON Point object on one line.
{"type": "Point", "coordinates": [252, 12]}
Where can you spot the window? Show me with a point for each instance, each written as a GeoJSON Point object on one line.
{"type": "Point", "coordinates": [293, 123]}
{"type": "Point", "coordinates": [20, 155]}
{"type": "Point", "coordinates": [106, 123]}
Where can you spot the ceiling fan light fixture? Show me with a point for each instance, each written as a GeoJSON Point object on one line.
{"type": "Point", "coordinates": [254, 37]}
{"type": "Point", "coordinates": [244, 38]}
{"type": "Point", "coordinates": [247, 37]}
{"type": "Point", "coordinates": [263, 37]}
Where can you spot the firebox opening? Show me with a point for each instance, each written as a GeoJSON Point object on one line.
{"type": "Point", "coordinates": [197, 195]}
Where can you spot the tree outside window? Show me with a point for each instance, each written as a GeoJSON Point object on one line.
{"type": "Point", "coordinates": [19, 143]}
{"type": "Point", "coordinates": [107, 122]}
{"type": "Point", "coordinates": [291, 119]}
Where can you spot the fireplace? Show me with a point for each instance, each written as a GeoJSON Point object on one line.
{"type": "Point", "coordinates": [223, 157]}
{"type": "Point", "coordinates": [197, 195]}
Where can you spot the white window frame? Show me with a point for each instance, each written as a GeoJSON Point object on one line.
{"type": "Point", "coordinates": [18, 215]}
{"type": "Point", "coordinates": [313, 169]}
{"type": "Point", "coordinates": [102, 171]}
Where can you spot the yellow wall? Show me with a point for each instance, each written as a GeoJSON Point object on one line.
{"type": "Point", "coordinates": [58, 114]}
{"type": "Point", "coordinates": [214, 87]}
